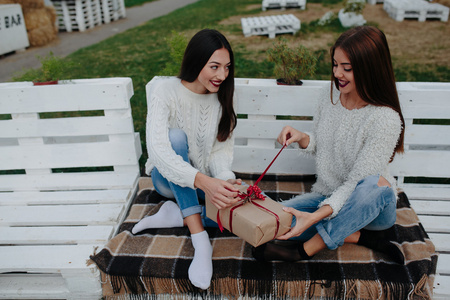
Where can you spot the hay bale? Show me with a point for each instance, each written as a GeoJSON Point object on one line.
{"type": "Point", "coordinates": [30, 4]}
{"type": "Point", "coordinates": [36, 18]}
{"type": "Point", "coordinates": [7, 2]}
{"type": "Point", "coordinates": [51, 11]}
{"type": "Point", "coordinates": [42, 35]}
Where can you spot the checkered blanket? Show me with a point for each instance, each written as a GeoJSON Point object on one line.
{"type": "Point", "coordinates": [155, 263]}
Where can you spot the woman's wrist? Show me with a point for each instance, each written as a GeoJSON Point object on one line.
{"type": "Point", "coordinates": [199, 181]}
{"type": "Point", "coordinates": [304, 141]}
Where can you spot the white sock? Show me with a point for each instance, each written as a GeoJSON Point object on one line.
{"type": "Point", "coordinates": [200, 270]}
{"type": "Point", "coordinates": [168, 216]}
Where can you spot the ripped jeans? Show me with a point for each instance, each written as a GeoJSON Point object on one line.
{"type": "Point", "coordinates": [370, 206]}
{"type": "Point", "coordinates": [186, 197]}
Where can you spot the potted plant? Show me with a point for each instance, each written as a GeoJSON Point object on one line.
{"type": "Point", "coordinates": [351, 14]}
{"type": "Point", "coordinates": [53, 68]}
{"type": "Point", "coordinates": [291, 64]}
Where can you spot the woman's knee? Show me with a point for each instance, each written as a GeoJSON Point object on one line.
{"type": "Point", "coordinates": [383, 182]}
{"type": "Point", "coordinates": [178, 139]}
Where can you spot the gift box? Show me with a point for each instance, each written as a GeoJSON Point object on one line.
{"type": "Point", "coordinates": [256, 221]}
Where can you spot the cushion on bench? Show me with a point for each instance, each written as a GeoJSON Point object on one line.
{"type": "Point", "coordinates": [156, 262]}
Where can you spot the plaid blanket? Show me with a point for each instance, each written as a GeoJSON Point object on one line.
{"type": "Point", "coordinates": [155, 263]}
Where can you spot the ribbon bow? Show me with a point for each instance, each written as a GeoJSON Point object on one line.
{"type": "Point", "coordinates": [253, 193]}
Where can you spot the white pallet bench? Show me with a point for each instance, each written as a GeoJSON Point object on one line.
{"type": "Point", "coordinates": [283, 4]}
{"type": "Point", "coordinates": [270, 25]}
{"type": "Point", "coordinates": [427, 148]}
{"type": "Point", "coordinates": [81, 15]}
{"type": "Point", "coordinates": [374, 2]}
{"type": "Point", "coordinates": [55, 207]}
{"type": "Point", "coordinates": [415, 9]}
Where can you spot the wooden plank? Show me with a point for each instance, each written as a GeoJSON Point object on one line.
{"type": "Point", "coordinates": [420, 135]}
{"type": "Point", "coordinates": [435, 224]}
{"type": "Point", "coordinates": [87, 94]}
{"type": "Point", "coordinates": [439, 208]}
{"type": "Point", "coordinates": [69, 181]}
{"type": "Point", "coordinates": [442, 242]}
{"type": "Point", "coordinates": [47, 259]}
{"type": "Point", "coordinates": [65, 197]}
{"type": "Point", "coordinates": [61, 215]}
{"type": "Point", "coordinates": [55, 235]}
{"type": "Point", "coordinates": [441, 287]}
{"type": "Point", "coordinates": [69, 155]}
{"type": "Point", "coordinates": [264, 97]}
{"type": "Point", "coordinates": [256, 160]}
{"type": "Point", "coordinates": [268, 128]}
{"type": "Point", "coordinates": [426, 163]}
{"type": "Point", "coordinates": [26, 286]}
{"type": "Point", "coordinates": [427, 191]}
{"type": "Point", "coordinates": [78, 126]}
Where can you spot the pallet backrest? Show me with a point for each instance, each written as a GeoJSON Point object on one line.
{"type": "Point", "coordinates": [266, 108]}
{"type": "Point", "coordinates": [80, 128]}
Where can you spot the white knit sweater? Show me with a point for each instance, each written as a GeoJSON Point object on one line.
{"type": "Point", "coordinates": [350, 145]}
{"type": "Point", "coordinates": [171, 105]}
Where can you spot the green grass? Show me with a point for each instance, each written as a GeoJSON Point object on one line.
{"type": "Point", "coordinates": [130, 3]}
{"type": "Point", "coordinates": [143, 52]}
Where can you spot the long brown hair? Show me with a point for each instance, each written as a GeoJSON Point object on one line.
{"type": "Point", "coordinates": [198, 51]}
{"type": "Point", "coordinates": [367, 49]}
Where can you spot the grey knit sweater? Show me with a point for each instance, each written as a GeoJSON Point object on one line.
{"type": "Point", "coordinates": [350, 145]}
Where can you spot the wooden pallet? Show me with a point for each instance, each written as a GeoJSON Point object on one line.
{"type": "Point", "coordinates": [427, 148]}
{"type": "Point", "coordinates": [66, 182]}
{"type": "Point", "coordinates": [112, 10]}
{"type": "Point", "coordinates": [80, 15]}
{"type": "Point", "coordinates": [77, 15]}
{"type": "Point", "coordinates": [283, 4]}
{"type": "Point", "coordinates": [415, 9]}
{"type": "Point", "coordinates": [270, 25]}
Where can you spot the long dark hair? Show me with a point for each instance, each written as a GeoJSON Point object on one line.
{"type": "Point", "coordinates": [367, 49]}
{"type": "Point", "coordinates": [198, 51]}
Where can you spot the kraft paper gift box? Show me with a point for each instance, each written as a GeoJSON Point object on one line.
{"type": "Point", "coordinates": [253, 224]}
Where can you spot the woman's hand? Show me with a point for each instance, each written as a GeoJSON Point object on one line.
{"type": "Point", "coordinates": [289, 135]}
{"type": "Point", "coordinates": [221, 193]}
{"type": "Point", "coordinates": [235, 181]}
{"type": "Point", "coordinates": [304, 220]}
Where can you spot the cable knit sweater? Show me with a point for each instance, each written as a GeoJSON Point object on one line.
{"type": "Point", "coordinates": [172, 105]}
{"type": "Point", "coordinates": [350, 145]}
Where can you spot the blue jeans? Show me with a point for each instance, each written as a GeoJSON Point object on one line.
{"type": "Point", "coordinates": [370, 206]}
{"type": "Point", "coordinates": [186, 198]}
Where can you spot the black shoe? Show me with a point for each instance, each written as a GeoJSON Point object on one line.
{"type": "Point", "coordinates": [292, 251]}
{"type": "Point", "coordinates": [377, 240]}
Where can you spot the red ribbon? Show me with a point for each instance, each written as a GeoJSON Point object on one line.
{"type": "Point", "coordinates": [253, 193]}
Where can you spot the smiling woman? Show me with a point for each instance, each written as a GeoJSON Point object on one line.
{"type": "Point", "coordinates": [212, 75]}
{"type": "Point", "coordinates": [190, 122]}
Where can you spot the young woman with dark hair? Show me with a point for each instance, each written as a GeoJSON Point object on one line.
{"type": "Point", "coordinates": [354, 139]}
{"type": "Point", "coordinates": [190, 122]}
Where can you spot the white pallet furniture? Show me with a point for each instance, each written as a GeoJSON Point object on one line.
{"type": "Point", "coordinates": [374, 2]}
{"type": "Point", "coordinates": [77, 14]}
{"type": "Point", "coordinates": [112, 10]}
{"type": "Point", "coordinates": [270, 25]}
{"type": "Point", "coordinates": [415, 9]}
{"type": "Point", "coordinates": [81, 15]}
{"type": "Point", "coordinates": [283, 4]}
{"type": "Point", "coordinates": [66, 182]}
{"type": "Point", "coordinates": [427, 147]}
